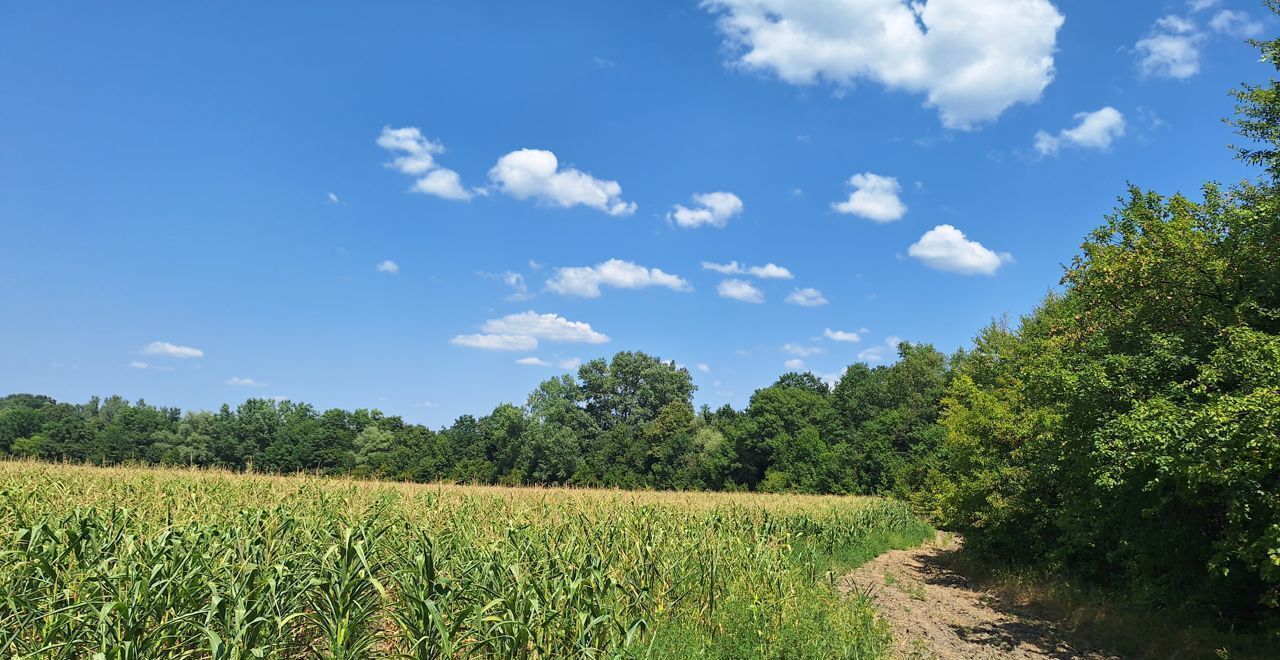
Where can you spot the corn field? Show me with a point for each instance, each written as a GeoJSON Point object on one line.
{"type": "Point", "coordinates": [123, 563]}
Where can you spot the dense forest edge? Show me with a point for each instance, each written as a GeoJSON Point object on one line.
{"type": "Point", "coordinates": [1126, 432]}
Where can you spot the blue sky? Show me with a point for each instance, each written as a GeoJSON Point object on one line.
{"type": "Point", "coordinates": [394, 205]}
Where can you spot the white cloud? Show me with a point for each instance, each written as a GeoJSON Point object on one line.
{"type": "Point", "coordinates": [519, 290]}
{"type": "Point", "coordinates": [533, 362]}
{"type": "Point", "coordinates": [417, 150]}
{"type": "Point", "coordinates": [873, 354]}
{"type": "Point", "coordinates": [1046, 144]}
{"type": "Point", "coordinates": [417, 159]}
{"type": "Point", "coordinates": [713, 208]}
{"type": "Point", "coordinates": [244, 382]}
{"type": "Point", "coordinates": [333, 199]}
{"type": "Point", "coordinates": [771, 271]}
{"type": "Point", "coordinates": [802, 351]}
{"type": "Point", "coordinates": [389, 266]}
{"type": "Point", "coordinates": [731, 268]}
{"type": "Point", "coordinates": [945, 248]}
{"type": "Point", "coordinates": [1171, 49]}
{"type": "Point", "coordinates": [1093, 130]}
{"type": "Point", "coordinates": [522, 332]}
{"type": "Point", "coordinates": [971, 59]}
{"type": "Point", "coordinates": [586, 281]}
{"type": "Point", "coordinates": [536, 173]}
{"type": "Point", "coordinates": [427, 404]}
{"type": "Point", "coordinates": [874, 197]}
{"type": "Point", "coordinates": [1177, 24]}
{"type": "Point", "coordinates": [171, 350]}
{"type": "Point", "coordinates": [570, 363]}
{"type": "Point", "coordinates": [740, 290]}
{"type": "Point", "coordinates": [153, 367]}
{"type": "Point", "coordinates": [794, 364]}
{"type": "Point", "coordinates": [550, 327]}
{"type": "Point", "coordinates": [494, 342]}
{"type": "Point", "coordinates": [703, 367]}
{"type": "Point", "coordinates": [445, 184]}
{"type": "Point", "coordinates": [1235, 24]}
{"type": "Point", "coordinates": [140, 365]}
{"type": "Point", "coordinates": [807, 297]}
{"type": "Point", "coordinates": [841, 335]}
{"type": "Point", "coordinates": [879, 352]}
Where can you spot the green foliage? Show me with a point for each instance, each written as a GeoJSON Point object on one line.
{"type": "Point", "coordinates": [1258, 111]}
{"type": "Point", "coordinates": [1128, 430]}
{"type": "Point", "coordinates": [16, 423]}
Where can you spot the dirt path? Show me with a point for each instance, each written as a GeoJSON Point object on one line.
{"type": "Point", "coordinates": [937, 614]}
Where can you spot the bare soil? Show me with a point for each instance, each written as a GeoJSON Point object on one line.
{"type": "Point", "coordinates": [936, 613]}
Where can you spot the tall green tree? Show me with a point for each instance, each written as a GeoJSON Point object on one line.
{"type": "Point", "coordinates": [1129, 430]}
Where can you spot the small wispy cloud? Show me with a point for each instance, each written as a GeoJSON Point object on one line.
{"type": "Point", "coordinates": [841, 335]}
{"type": "Point", "coordinates": [740, 290]}
{"type": "Point", "coordinates": [807, 297]}
{"type": "Point", "coordinates": [167, 349]}
{"type": "Point", "coordinates": [731, 268]}
{"type": "Point", "coordinates": [800, 350]}
{"type": "Point", "coordinates": [769, 271]}
{"type": "Point", "coordinates": [515, 281]}
{"type": "Point", "coordinates": [880, 352]}
{"type": "Point", "coordinates": [1235, 24]}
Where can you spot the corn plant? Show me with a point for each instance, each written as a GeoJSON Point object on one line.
{"type": "Point", "coordinates": [233, 567]}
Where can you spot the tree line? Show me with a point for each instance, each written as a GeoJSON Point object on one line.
{"type": "Point", "coordinates": [626, 422]}
{"type": "Point", "coordinates": [1127, 431]}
